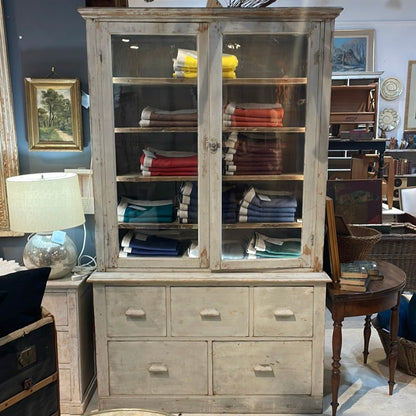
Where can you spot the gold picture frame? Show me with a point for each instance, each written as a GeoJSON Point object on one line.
{"type": "Point", "coordinates": [353, 51]}
{"type": "Point", "coordinates": [53, 114]}
{"type": "Point", "coordinates": [410, 108]}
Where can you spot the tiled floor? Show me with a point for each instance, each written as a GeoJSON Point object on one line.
{"type": "Point", "coordinates": [363, 390]}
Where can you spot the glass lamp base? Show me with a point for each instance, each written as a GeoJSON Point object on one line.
{"type": "Point", "coordinates": [41, 251]}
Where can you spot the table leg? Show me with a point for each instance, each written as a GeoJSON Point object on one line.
{"type": "Point", "coordinates": [336, 358]}
{"type": "Point", "coordinates": [394, 344]}
{"type": "Point", "coordinates": [367, 334]}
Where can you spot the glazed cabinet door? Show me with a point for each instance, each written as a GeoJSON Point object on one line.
{"type": "Point", "coordinates": [272, 146]}
{"type": "Point", "coordinates": [148, 161]}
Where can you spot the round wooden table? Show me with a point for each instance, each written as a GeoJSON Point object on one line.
{"type": "Point", "coordinates": [380, 296]}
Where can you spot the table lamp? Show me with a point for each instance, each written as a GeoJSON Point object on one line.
{"type": "Point", "coordinates": [46, 204]}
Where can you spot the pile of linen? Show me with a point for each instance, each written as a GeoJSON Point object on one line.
{"type": "Point", "coordinates": [154, 162]}
{"type": "Point", "coordinates": [155, 117]}
{"type": "Point", "coordinates": [186, 64]}
{"type": "Point", "coordinates": [243, 155]}
{"type": "Point", "coordinates": [266, 206]}
{"type": "Point", "coordinates": [143, 211]}
{"type": "Point", "coordinates": [253, 115]}
{"type": "Point", "coordinates": [187, 212]}
{"type": "Point", "coordinates": [139, 244]}
{"type": "Point", "coordinates": [262, 246]}
{"type": "Point", "coordinates": [229, 206]}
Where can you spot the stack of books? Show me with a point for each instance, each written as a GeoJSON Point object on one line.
{"type": "Point", "coordinates": [357, 275]}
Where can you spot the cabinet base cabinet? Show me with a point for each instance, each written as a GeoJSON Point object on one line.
{"type": "Point", "coordinates": [71, 304]}
{"type": "Point", "coordinates": [236, 346]}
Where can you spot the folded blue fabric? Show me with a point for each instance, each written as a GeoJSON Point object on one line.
{"type": "Point", "coordinates": [411, 318]}
{"type": "Point", "coordinates": [383, 318]}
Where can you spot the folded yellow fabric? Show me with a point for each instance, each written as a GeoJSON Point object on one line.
{"type": "Point", "coordinates": [186, 74]}
{"type": "Point", "coordinates": [187, 60]}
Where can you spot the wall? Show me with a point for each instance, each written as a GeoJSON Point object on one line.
{"type": "Point", "coordinates": [46, 33]}
{"type": "Point", "coordinates": [43, 34]}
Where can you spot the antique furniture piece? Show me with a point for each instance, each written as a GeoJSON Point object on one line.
{"type": "Point", "coordinates": [354, 105]}
{"type": "Point", "coordinates": [380, 296]}
{"type": "Point", "coordinates": [29, 371]}
{"type": "Point", "coordinates": [209, 132]}
{"type": "Point", "coordinates": [71, 304]}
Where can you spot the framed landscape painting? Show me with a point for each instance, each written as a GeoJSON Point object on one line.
{"type": "Point", "coordinates": [353, 51]}
{"type": "Point", "coordinates": [53, 114]}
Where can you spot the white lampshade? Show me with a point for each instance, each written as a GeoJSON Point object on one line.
{"type": "Point", "coordinates": [44, 202]}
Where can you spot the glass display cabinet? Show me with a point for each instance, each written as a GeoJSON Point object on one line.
{"type": "Point", "coordinates": [209, 131]}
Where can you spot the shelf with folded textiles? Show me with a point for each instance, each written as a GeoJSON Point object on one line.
{"type": "Point", "coordinates": [262, 225]}
{"type": "Point", "coordinates": [138, 177]}
{"type": "Point", "coordinates": [265, 129]}
{"type": "Point", "coordinates": [139, 129]}
{"type": "Point", "coordinates": [264, 178]}
{"type": "Point", "coordinates": [153, 81]}
{"type": "Point", "coordinates": [228, 226]}
{"type": "Point", "coordinates": [265, 81]}
{"type": "Point", "coordinates": [156, 225]}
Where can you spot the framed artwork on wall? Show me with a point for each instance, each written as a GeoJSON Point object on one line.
{"type": "Point", "coordinates": [53, 114]}
{"type": "Point", "coordinates": [8, 140]}
{"type": "Point", "coordinates": [410, 109]}
{"type": "Point", "coordinates": [353, 51]}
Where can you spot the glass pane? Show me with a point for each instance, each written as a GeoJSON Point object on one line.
{"type": "Point", "coordinates": [263, 146]}
{"type": "Point", "coordinates": [156, 142]}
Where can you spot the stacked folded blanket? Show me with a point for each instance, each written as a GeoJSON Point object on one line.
{"type": "Point", "coordinates": [262, 246]}
{"type": "Point", "coordinates": [187, 212]}
{"type": "Point", "coordinates": [139, 211]}
{"type": "Point", "coordinates": [154, 162]}
{"type": "Point", "coordinates": [138, 244]}
{"type": "Point", "coordinates": [246, 156]}
{"type": "Point", "coordinates": [154, 117]}
{"type": "Point", "coordinates": [186, 64]}
{"type": "Point", "coordinates": [253, 115]}
{"type": "Point", "coordinates": [229, 206]}
{"type": "Point", "coordinates": [266, 206]}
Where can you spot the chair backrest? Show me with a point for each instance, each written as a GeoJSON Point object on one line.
{"type": "Point", "coordinates": [407, 199]}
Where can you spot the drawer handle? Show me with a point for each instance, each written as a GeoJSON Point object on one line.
{"type": "Point", "coordinates": [135, 313]}
{"type": "Point", "coordinates": [283, 313]}
{"type": "Point", "coordinates": [263, 368]}
{"type": "Point", "coordinates": [158, 368]}
{"type": "Point", "coordinates": [209, 313]}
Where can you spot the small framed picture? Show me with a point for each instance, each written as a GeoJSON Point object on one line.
{"type": "Point", "coordinates": [53, 114]}
{"type": "Point", "coordinates": [353, 51]}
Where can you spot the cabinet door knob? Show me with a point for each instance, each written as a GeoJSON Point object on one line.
{"type": "Point", "coordinates": [158, 368]}
{"type": "Point", "coordinates": [209, 313]}
{"type": "Point", "coordinates": [283, 313]}
{"type": "Point", "coordinates": [213, 146]}
{"type": "Point", "coordinates": [263, 368]}
{"type": "Point", "coordinates": [135, 313]}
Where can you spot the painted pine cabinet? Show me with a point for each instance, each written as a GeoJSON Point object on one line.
{"type": "Point", "coordinates": [209, 131]}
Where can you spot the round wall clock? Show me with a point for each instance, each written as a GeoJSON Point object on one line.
{"type": "Point", "coordinates": [391, 88]}
{"type": "Point", "coordinates": [388, 119]}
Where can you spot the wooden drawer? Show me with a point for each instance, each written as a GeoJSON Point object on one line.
{"type": "Point", "coordinates": [156, 367]}
{"type": "Point", "coordinates": [136, 311]}
{"type": "Point", "coordinates": [57, 304]}
{"type": "Point", "coordinates": [283, 311]}
{"type": "Point", "coordinates": [252, 368]}
{"type": "Point", "coordinates": [209, 311]}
